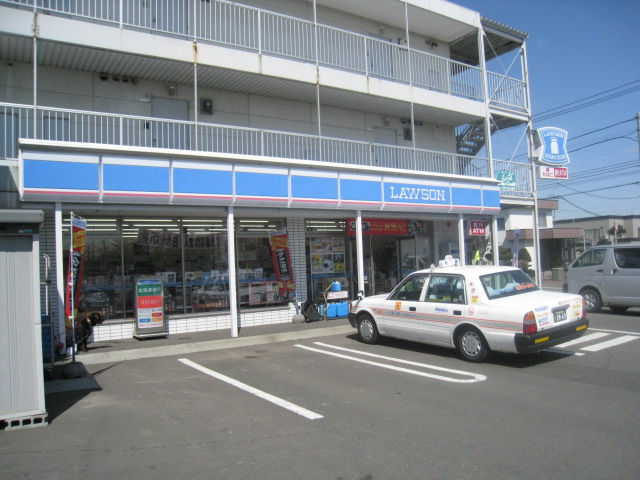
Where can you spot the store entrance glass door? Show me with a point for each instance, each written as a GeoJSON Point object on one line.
{"type": "Point", "coordinates": [415, 254]}
{"type": "Point", "coordinates": [388, 259]}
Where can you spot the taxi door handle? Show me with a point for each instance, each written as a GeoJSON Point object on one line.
{"type": "Point", "coordinates": [600, 270]}
{"type": "Point", "coordinates": [412, 309]}
{"type": "Point", "coordinates": [457, 312]}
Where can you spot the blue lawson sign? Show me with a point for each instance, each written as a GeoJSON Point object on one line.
{"type": "Point", "coordinates": [187, 182]}
{"type": "Point", "coordinates": [421, 194]}
{"type": "Point", "coordinates": [551, 146]}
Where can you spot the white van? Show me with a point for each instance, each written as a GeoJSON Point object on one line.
{"type": "Point", "coordinates": [607, 275]}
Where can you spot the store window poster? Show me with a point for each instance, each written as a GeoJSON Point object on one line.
{"type": "Point", "coordinates": [327, 255]}
{"type": "Point", "coordinates": [338, 263]}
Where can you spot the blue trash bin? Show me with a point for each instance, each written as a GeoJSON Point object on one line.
{"type": "Point", "coordinates": [47, 339]}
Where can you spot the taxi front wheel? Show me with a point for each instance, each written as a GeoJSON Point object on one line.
{"type": "Point", "coordinates": [367, 329]}
{"type": "Point", "coordinates": [472, 345]}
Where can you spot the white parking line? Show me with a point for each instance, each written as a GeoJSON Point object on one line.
{"type": "Point", "coordinates": [612, 331]}
{"type": "Point", "coordinates": [475, 376]}
{"type": "Point", "coordinates": [583, 339]}
{"type": "Point", "coordinates": [258, 393]}
{"type": "Point", "coordinates": [610, 343]}
{"type": "Point", "coordinates": [563, 352]}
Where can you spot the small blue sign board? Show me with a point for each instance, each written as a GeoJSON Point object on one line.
{"type": "Point", "coordinates": [551, 146]}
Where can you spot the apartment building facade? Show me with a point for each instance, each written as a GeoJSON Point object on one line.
{"type": "Point", "coordinates": [200, 140]}
{"type": "Point", "coordinates": [601, 229]}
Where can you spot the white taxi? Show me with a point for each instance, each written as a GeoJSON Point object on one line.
{"type": "Point", "coordinates": [476, 309]}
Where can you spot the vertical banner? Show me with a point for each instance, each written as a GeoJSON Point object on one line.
{"type": "Point", "coordinates": [516, 247]}
{"type": "Point", "coordinates": [279, 242]}
{"type": "Point", "coordinates": [149, 305]}
{"type": "Point", "coordinates": [74, 273]}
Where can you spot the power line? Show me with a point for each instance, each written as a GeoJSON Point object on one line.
{"type": "Point", "coordinates": [606, 138]}
{"type": "Point", "coordinates": [580, 208]}
{"type": "Point", "coordinates": [587, 192]}
{"type": "Point", "coordinates": [598, 143]}
{"type": "Point", "coordinates": [591, 96]}
{"type": "Point", "coordinates": [628, 133]}
{"type": "Point", "coordinates": [604, 128]}
{"type": "Point", "coordinates": [546, 112]}
{"type": "Point", "coordinates": [599, 179]}
{"type": "Point", "coordinates": [597, 172]}
{"type": "Point", "coordinates": [593, 102]}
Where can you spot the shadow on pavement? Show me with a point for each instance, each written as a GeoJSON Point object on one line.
{"type": "Point", "coordinates": [58, 403]}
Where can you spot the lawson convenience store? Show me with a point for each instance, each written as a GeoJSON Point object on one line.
{"type": "Point", "coordinates": [219, 231]}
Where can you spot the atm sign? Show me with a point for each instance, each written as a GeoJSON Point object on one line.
{"type": "Point", "coordinates": [554, 172]}
{"type": "Point", "coordinates": [478, 228]}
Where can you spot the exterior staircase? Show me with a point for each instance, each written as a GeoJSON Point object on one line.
{"type": "Point", "coordinates": [470, 138]}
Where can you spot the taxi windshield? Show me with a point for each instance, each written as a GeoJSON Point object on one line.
{"type": "Point", "coordinates": [506, 284]}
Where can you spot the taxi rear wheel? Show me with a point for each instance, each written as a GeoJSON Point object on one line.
{"type": "Point", "coordinates": [367, 329]}
{"type": "Point", "coordinates": [472, 345]}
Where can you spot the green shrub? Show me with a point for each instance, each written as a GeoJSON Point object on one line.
{"type": "Point", "coordinates": [524, 259]}
{"type": "Point", "coordinates": [506, 255]}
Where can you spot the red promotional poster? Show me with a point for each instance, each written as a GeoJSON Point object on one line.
{"type": "Point", "coordinates": [375, 226]}
{"type": "Point", "coordinates": [74, 272]}
{"type": "Point", "coordinates": [279, 242]}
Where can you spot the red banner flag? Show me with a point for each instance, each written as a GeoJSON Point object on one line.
{"type": "Point", "coordinates": [279, 242]}
{"type": "Point", "coordinates": [74, 273]}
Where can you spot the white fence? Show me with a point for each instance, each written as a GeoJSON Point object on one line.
{"type": "Point", "coordinates": [63, 125]}
{"type": "Point", "coordinates": [256, 29]}
{"type": "Point", "coordinates": [515, 178]}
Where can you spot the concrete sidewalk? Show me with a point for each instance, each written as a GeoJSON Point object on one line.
{"type": "Point", "coordinates": [178, 344]}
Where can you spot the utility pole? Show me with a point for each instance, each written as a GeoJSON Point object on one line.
{"type": "Point", "coordinates": [638, 129]}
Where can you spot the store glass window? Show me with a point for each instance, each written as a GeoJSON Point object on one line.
{"type": "Point", "coordinates": [190, 256]}
{"type": "Point", "coordinates": [101, 281]}
{"type": "Point", "coordinates": [206, 265]}
{"type": "Point", "coordinates": [264, 263]}
{"type": "Point", "coordinates": [152, 248]}
{"type": "Point", "coordinates": [327, 254]}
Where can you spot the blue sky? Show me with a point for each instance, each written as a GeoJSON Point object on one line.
{"type": "Point", "coordinates": [581, 51]}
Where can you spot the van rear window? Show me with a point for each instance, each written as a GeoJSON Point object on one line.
{"type": "Point", "coordinates": [627, 257]}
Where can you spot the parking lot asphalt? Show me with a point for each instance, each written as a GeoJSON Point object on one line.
{"type": "Point", "coordinates": [64, 378]}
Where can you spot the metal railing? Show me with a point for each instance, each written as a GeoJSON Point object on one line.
{"type": "Point", "coordinates": [256, 29]}
{"type": "Point", "coordinates": [63, 125]}
{"type": "Point", "coordinates": [506, 92]}
{"type": "Point", "coordinates": [515, 178]}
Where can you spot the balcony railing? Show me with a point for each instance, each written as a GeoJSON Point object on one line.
{"type": "Point", "coordinates": [515, 178]}
{"type": "Point", "coordinates": [82, 127]}
{"type": "Point", "coordinates": [506, 92]}
{"type": "Point", "coordinates": [251, 28]}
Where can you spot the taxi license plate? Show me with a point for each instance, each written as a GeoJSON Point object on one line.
{"type": "Point", "coordinates": [559, 316]}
